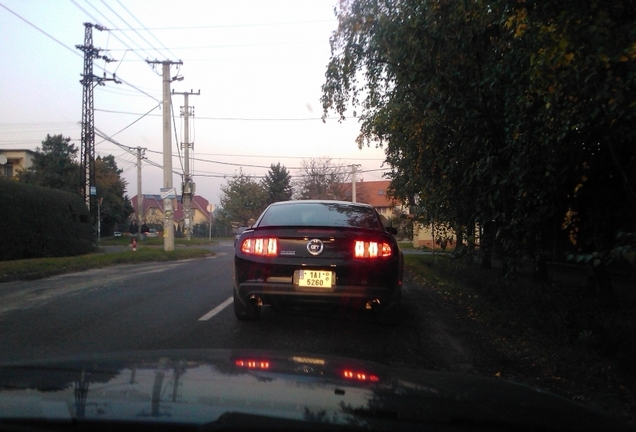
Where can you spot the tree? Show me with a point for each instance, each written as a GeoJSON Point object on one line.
{"type": "Point", "coordinates": [277, 184]}
{"type": "Point", "coordinates": [243, 199]}
{"type": "Point", "coordinates": [111, 190]}
{"type": "Point", "coordinates": [322, 179]}
{"type": "Point", "coordinates": [505, 113]}
{"type": "Point", "coordinates": [54, 165]}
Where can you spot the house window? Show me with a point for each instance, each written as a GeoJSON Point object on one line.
{"type": "Point", "coordinates": [8, 170]}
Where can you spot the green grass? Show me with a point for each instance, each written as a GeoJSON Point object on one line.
{"type": "Point", "coordinates": [155, 241]}
{"type": "Point", "coordinates": [38, 268]}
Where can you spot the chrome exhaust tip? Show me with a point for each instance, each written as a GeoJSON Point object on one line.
{"type": "Point", "coordinates": [372, 304]}
{"type": "Point", "coordinates": [255, 300]}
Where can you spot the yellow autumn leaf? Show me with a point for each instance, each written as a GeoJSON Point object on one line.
{"type": "Point", "coordinates": [498, 374]}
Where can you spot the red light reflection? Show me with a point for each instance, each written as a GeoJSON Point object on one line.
{"type": "Point", "coordinates": [252, 364]}
{"type": "Point", "coordinates": [359, 376]}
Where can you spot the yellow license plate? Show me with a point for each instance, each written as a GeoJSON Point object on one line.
{"type": "Point", "coordinates": [315, 278]}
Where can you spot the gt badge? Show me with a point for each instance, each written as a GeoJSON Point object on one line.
{"type": "Point", "coordinates": [315, 246]}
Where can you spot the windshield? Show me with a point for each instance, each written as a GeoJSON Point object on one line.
{"type": "Point", "coordinates": [350, 193]}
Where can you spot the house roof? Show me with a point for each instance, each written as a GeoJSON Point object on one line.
{"type": "Point", "coordinates": [155, 201]}
{"type": "Point", "coordinates": [372, 193]}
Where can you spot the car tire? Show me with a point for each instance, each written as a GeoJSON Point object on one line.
{"type": "Point", "coordinates": [245, 312]}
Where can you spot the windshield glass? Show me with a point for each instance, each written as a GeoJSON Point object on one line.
{"type": "Point", "coordinates": [349, 192]}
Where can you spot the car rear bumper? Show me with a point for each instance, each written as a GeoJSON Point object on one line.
{"type": "Point", "coordinates": [355, 296]}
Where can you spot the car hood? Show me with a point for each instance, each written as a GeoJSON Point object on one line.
{"type": "Point", "coordinates": [239, 389]}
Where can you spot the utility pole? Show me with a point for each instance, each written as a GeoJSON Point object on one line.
{"type": "Point", "coordinates": [140, 195]}
{"type": "Point", "coordinates": [168, 193]}
{"type": "Point", "coordinates": [87, 152]}
{"type": "Point", "coordinates": [187, 188]}
{"type": "Point", "coordinates": [354, 167]}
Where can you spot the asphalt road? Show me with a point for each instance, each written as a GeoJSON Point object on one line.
{"type": "Point", "coordinates": [187, 304]}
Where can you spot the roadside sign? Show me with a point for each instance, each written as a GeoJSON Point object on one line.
{"type": "Point", "coordinates": [168, 193]}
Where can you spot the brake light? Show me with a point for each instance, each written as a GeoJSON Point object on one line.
{"type": "Point", "coordinates": [260, 246]}
{"type": "Point", "coordinates": [364, 249]}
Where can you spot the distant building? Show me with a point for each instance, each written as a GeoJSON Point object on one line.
{"type": "Point", "coordinates": [16, 161]}
{"type": "Point", "coordinates": [375, 194]}
{"type": "Point", "coordinates": [153, 213]}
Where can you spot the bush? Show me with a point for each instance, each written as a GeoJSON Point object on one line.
{"type": "Point", "coordinates": [42, 222]}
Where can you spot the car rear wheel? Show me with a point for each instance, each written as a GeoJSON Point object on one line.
{"type": "Point", "coordinates": [245, 311]}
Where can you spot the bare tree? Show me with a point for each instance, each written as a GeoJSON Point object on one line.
{"type": "Point", "coordinates": [321, 178]}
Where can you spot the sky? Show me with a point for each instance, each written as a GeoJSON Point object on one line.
{"type": "Point", "coordinates": [258, 64]}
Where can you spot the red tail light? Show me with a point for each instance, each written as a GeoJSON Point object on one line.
{"type": "Point", "coordinates": [365, 249]}
{"type": "Point", "coordinates": [252, 364]}
{"type": "Point", "coordinates": [260, 246]}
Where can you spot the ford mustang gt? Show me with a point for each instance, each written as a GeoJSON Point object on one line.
{"type": "Point", "coordinates": [317, 251]}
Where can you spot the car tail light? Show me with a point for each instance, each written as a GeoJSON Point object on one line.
{"type": "Point", "coordinates": [252, 364]}
{"type": "Point", "coordinates": [359, 376]}
{"type": "Point", "coordinates": [365, 249]}
{"type": "Point", "coordinates": [260, 246]}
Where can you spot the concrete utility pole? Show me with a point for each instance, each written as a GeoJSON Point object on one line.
{"type": "Point", "coordinates": [87, 150]}
{"type": "Point", "coordinates": [140, 195]}
{"type": "Point", "coordinates": [167, 191]}
{"type": "Point", "coordinates": [354, 168]}
{"type": "Point", "coordinates": [187, 188]}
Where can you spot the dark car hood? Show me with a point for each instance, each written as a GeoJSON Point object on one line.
{"type": "Point", "coordinates": [248, 388]}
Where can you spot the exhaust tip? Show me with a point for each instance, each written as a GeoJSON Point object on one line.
{"type": "Point", "coordinates": [372, 304]}
{"type": "Point", "coordinates": [255, 300]}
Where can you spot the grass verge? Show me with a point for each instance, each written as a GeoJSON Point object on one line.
{"type": "Point", "coordinates": [38, 268]}
{"type": "Point", "coordinates": [554, 335]}
{"type": "Point", "coordinates": [155, 241]}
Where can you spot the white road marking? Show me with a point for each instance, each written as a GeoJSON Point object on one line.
{"type": "Point", "coordinates": [216, 310]}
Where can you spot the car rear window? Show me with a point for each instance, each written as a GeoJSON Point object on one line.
{"type": "Point", "coordinates": [321, 214]}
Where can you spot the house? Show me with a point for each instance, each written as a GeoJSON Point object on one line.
{"type": "Point", "coordinates": [375, 194]}
{"type": "Point", "coordinates": [153, 213]}
{"type": "Point", "coordinates": [14, 161]}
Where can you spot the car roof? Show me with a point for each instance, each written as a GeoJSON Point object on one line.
{"type": "Point", "coordinates": [279, 203]}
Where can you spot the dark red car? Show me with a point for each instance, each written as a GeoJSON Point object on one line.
{"type": "Point", "coordinates": [317, 251]}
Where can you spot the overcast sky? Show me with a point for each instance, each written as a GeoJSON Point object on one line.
{"type": "Point", "coordinates": [258, 64]}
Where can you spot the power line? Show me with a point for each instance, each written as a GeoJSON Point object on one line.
{"type": "Point", "coordinates": [125, 22]}
{"type": "Point", "coordinates": [206, 47]}
{"type": "Point", "coordinates": [144, 27]}
{"type": "Point", "coordinates": [234, 25]}
{"type": "Point", "coordinates": [104, 69]}
{"type": "Point", "coordinates": [233, 118]}
{"type": "Point", "coordinates": [144, 115]}
{"type": "Point", "coordinates": [42, 31]}
{"type": "Point", "coordinates": [282, 157]}
{"type": "Point", "coordinates": [73, 51]}
{"type": "Point", "coordinates": [112, 25]}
